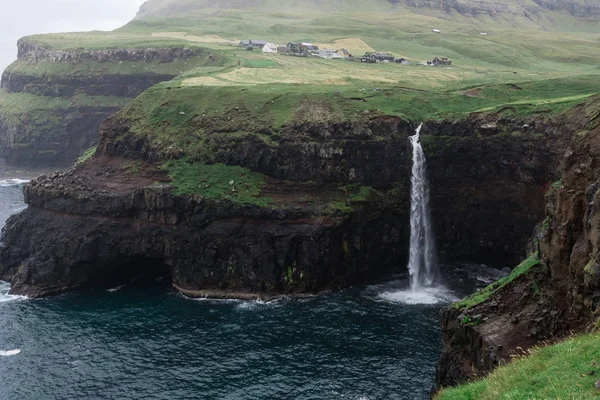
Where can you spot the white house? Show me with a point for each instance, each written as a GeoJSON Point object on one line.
{"type": "Point", "coordinates": [326, 53]}
{"type": "Point", "coordinates": [270, 48]}
{"type": "Point", "coordinates": [436, 30]}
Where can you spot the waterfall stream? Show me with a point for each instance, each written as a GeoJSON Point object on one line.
{"type": "Point", "coordinates": [422, 260]}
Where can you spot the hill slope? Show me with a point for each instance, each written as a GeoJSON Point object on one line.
{"type": "Point", "coordinates": [547, 12]}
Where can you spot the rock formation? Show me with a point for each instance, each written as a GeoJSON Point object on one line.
{"type": "Point", "coordinates": [556, 297]}
{"type": "Point", "coordinates": [53, 101]}
{"type": "Point", "coordinates": [332, 209]}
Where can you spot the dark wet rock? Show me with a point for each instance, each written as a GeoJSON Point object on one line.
{"type": "Point", "coordinates": [57, 136]}
{"type": "Point", "coordinates": [98, 227]}
{"type": "Point", "coordinates": [566, 281]}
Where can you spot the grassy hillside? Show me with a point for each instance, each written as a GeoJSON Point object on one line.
{"type": "Point", "coordinates": [524, 70]}
{"type": "Point", "coordinates": [545, 13]}
{"type": "Point", "coordinates": [564, 371]}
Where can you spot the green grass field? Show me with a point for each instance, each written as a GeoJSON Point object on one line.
{"type": "Point", "coordinates": [565, 371]}
{"type": "Point", "coordinates": [518, 67]}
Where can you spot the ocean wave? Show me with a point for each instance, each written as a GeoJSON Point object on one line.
{"type": "Point", "coordinates": [12, 182]}
{"type": "Point", "coordinates": [115, 289]}
{"type": "Point", "coordinates": [8, 353]}
{"type": "Point", "coordinates": [5, 297]}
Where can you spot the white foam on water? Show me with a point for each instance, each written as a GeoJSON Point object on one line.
{"type": "Point", "coordinates": [5, 297]}
{"type": "Point", "coordinates": [209, 299]}
{"type": "Point", "coordinates": [9, 353]}
{"type": "Point", "coordinates": [115, 289]}
{"type": "Point", "coordinates": [426, 296]}
{"type": "Point", "coordinates": [254, 304]}
{"type": "Point", "coordinates": [12, 182]}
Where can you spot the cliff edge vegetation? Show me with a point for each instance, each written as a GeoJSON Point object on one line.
{"type": "Point", "coordinates": [568, 370]}
{"type": "Point", "coordinates": [66, 84]}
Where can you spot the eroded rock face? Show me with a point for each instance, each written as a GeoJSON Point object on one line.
{"type": "Point", "coordinates": [100, 215]}
{"type": "Point", "coordinates": [52, 137]}
{"type": "Point", "coordinates": [210, 247]}
{"type": "Point", "coordinates": [57, 135]}
{"type": "Point", "coordinates": [28, 50]}
{"type": "Point", "coordinates": [569, 247]}
{"type": "Point", "coordinates": [553, 300]}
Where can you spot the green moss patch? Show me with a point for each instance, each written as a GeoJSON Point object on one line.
{"type": "Point", "coordinates": [355, 195]}
{"type": "Point", "coordinates": [564, 371]}
{"type": "Point", "coordinates": [86, 155]}
{"type": "Point", "coordinates": [484, 294]}
{"type": "Point", "coordinates": [217, 182]}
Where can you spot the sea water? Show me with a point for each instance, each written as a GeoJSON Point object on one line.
{"type": "Point", "coordinates": [144, 341]}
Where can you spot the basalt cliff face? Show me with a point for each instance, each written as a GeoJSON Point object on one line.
{"type": "Point", "coordinates": [53, 101]}
{"type": "Point", "coordinates": [559, 296]}
{"type": "Point", "coordinates": [337, 209]}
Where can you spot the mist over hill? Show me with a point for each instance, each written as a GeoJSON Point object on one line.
{"type": "Point", "coordinates": [532, 9]}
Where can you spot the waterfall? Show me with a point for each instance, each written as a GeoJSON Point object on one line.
{"type": "Point", "coordinates": [422, 259]}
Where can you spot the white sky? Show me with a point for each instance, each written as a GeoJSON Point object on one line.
{"type": "Point", "coordinates": [19, 18]}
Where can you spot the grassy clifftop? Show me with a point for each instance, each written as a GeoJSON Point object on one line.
{"type": "Point", "coordinates": [564, 371]}
{"type": "Point", "coordinates": [520, 71]}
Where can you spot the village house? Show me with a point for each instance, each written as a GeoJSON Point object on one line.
{"type": "Point", "coordinates": [310, 48]}
{"type": "Point", "coordinates": [294, 47]}
{"type": "Point", "coordinates": [440, 61]}
{"type": "Point", "coordinates": [327, 53]}
{"type": "Point", "coordinates": [302, 48]}
{"type": "Point", "coordinates": [269, 48]}
{"type": "Point", "coordinates": [377, 57]}
{"type": "Point", "coordinates": [253, 44]}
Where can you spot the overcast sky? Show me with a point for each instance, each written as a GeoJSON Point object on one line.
{"type": "Point", "coordinates": [19, 18]}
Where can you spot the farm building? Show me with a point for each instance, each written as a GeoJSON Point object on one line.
{"type": "Point", "coordinates": [255, 44]}
{"type": "Point", "coordinates": [377, 57]}
{"type": "Point", "coordinates": [327, 53]}
{"type": "Point", "coordinates": [440, 61]}
{"type": "Point", "coordinates": [302, 48]}
{"type": "Point", "coordinates": [283, 49]}
{"type": "Point", "coordinates": [310, 47]}
{"type": "Point", "coordinates": [295, 47]}
{"type": "Point", "coordinates": [269, 48]}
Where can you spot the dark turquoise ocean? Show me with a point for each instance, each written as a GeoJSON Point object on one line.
{"type": "Point", "coordinates": [144, 341]}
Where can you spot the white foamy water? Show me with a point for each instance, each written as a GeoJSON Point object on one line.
{"type": "Point", "coordinates": [8, 353]}
{"type": "Point", "coordinates": [427, 296]}
{"type": "Point", "coordinates": [115, 289]}
{"type": "Point", "coordinates": [422, 260]}
{"type": "Point", "coordinates": [5, 297]}
{"type": "Point", "coordinates": [12, 182]}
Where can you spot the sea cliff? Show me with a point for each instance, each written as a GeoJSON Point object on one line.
{"type": "Point", "coordinates": [301, 208]}
{"type": "Point", "coordinates": [52, 101]}
{"type": "Point", "coordinates": [553, 294]}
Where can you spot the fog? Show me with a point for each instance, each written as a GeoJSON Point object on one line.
{"type": "Point", "coordinates": [19, 18]}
